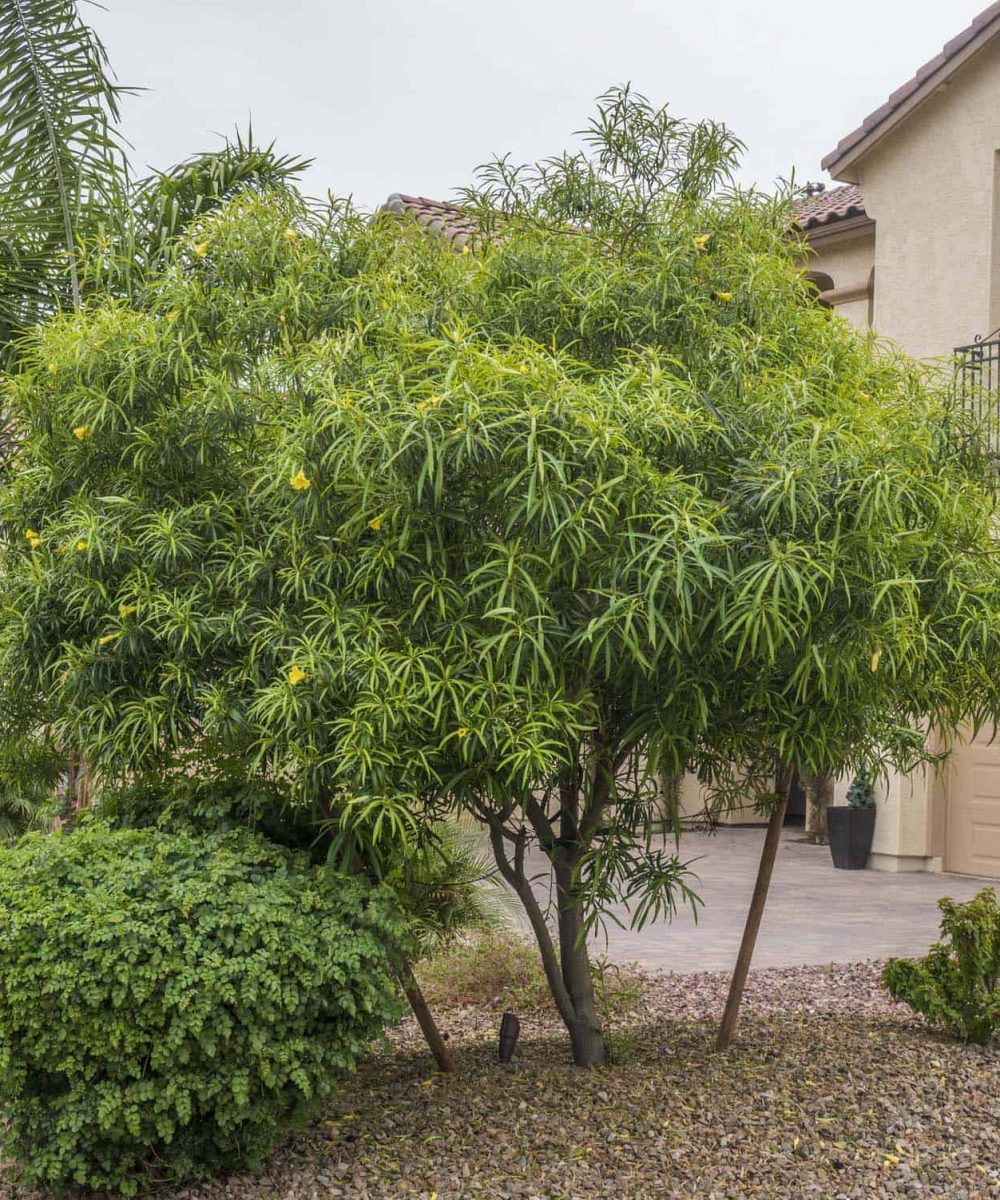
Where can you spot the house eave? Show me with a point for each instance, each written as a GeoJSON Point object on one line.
{"type": "Point", "coordinates": [932, 77]}
{"type": "Point", "coordinates": [837, 231]}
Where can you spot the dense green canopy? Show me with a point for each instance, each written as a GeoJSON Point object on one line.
{"type": "Point", "coordinates": [508, 530]}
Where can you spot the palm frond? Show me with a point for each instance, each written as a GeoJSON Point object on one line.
{"type": "Point", "coordinates": [167, 202]}
{"type": "Point", "coordinates": [60, 153]}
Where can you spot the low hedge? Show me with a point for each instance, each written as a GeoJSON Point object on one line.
{"type": "Point", "coordinates": [170, 1003]}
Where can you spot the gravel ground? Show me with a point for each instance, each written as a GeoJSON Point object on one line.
{"type": "Point", "coordinates": [831, 1091]}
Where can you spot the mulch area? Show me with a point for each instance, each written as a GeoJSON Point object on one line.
{"type": "Point", "coordinates": [831, 1091]}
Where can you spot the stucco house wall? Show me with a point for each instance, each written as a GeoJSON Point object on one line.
{"type": "Point", "coordinates": [929, 185]}
{"type": "Point", "coordinates": [845, 259]}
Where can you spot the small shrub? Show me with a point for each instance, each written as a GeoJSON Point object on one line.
{"type": "Point", "coordinates": [956, 986]}
{"type": "Point", "coordinates": [170, 1003]}
{"type": "Point", "coordinates": [446, 888]}
{"type": "Point", "coordinates": [861, 793]}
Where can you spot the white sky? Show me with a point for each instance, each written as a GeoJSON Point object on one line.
{"type": "Point", "coordinates": [409, 95]}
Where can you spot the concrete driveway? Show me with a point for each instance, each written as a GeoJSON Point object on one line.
{"type": "Point", "coordinates": [815, 914]}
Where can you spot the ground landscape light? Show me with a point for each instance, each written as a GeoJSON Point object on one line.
{"type": "Point", "coordinates": [510, 1028]}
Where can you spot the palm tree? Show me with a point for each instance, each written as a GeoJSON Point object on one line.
{"type": "Point", "coordinates": [29, 770]}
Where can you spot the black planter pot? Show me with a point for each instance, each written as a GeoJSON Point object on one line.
{"type": "Point", "coordinates": [851, 832]}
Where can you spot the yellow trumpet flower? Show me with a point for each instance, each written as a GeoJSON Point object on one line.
{"type": "Point", "coordinates": [461, 731]}
{"type": "Point", "coordinates": [81, 432]}
{"type": "Point", "coordinates": [201, 249]}
{"type": "Point", "coordinates": [296, 675]}
{"type": "Point", "coordinates": [107, 639]}
{"type": "Point", "coordinates": [126, 610]}
{"type": "Point", "coordinates": [725, 295]}
{"type": "Point", "coordinates": [81, 545]}
{"type": "Point", "coordinates": [701, 241]}
{"type": "Point", "coordinates": [375, 523]}
{"type": "Point", "coordinates": [300, 480]}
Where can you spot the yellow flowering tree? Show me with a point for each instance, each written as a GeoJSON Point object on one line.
{"type": "Point", "coordinates": [409, 533]}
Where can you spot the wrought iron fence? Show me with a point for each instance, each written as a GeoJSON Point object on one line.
{"type": "Point", "coordinates": [977, 386]}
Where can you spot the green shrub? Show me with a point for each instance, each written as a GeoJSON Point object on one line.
{"type": "Point", "coordinates": [861, 793]}
{"type": "Point", "coordinates": [29, 772]}
{"type": "Point", "coordinates": [446, 888]}
{"type": "Point", "coordinates": [170, 1003]}
{"type": "Point", "coordinates": [956, 986]}
{"type": "Point", "coordinates": [196, 796]}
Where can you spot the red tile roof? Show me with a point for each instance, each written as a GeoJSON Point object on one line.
{"type": "Point", "coordinates": [835, 205]}
{"type": "Point", "coordinates": [458, 226]}
{"type": "Point", "coordinates": [450, 220]}
{"type": "Point", "coordinates": [930, 76]}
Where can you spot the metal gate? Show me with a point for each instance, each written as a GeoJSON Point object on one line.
{"type": "Point", "coordinates": [977, 386]}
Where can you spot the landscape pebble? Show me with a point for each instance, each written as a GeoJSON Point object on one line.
{"type": "Point", "coordinates": [831, 1091]}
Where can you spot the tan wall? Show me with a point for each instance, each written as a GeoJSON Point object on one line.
{"type": "Point", "coordinates": [693, 798]}
{"type": "Point", "coordinates": [906, 820]}
{"type": "Point", "coordinates": [848, 261]}
{"type": "Point", "coordinates": [929, 185]}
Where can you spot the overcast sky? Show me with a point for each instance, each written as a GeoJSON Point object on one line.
{"type": "Point", "coordinates": [409, 95]}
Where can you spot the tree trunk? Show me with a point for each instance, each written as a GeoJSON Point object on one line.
{"type": "Point", "coordinates": [68, 790]}
{"type": "Point", "coordinates": [425, 1019]}
{"type": "Point", "coordinates": [585, 1033]}
{"type": "Point", "coordinates": [567, 968]}
{"type": "Point", "coordinates": [819, 797]}
{"type": "Point", "coordinates": [411, 989]}
{"type": "Point", "coordinates": [770, 851]}
{"type": "Point", "coordinates": [669, 788]}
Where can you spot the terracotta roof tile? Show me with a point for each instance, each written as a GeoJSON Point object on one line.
{"type": "Point", "coordinates": [450, 220]}
{"type": "Point", "coordinates": [939, 66]}
{"type": "Point", "coordinates": [835, 205]}
{"type": "Point", "coordinates": [457, 225]}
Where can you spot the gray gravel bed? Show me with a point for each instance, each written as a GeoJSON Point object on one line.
{"type": "Point", "coordinates": [831, 1092]}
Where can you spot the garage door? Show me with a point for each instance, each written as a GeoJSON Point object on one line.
{"type": "Point", "coordinates": [972, 836]}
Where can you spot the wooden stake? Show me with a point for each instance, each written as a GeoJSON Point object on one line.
{"type": "Point", "coordinates": [769, 853]}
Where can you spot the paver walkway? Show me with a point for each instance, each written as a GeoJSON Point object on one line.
{"type": "Point", "coordinates": [815, 914]}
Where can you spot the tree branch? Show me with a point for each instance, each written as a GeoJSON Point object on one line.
{"type": "Point", "coordinates": [515, 876]}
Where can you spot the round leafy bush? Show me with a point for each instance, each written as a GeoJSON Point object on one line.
{"type": "Point", "coordinates": [170, 1002]}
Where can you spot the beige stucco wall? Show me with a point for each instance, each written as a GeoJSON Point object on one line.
{"type": "Point", "coordinates": [908, 820]}
{"type": "Point", "coordinates": [693, 800]}
{"type": "Point", "coordinates": [929, 185]}
{"type": "Point", "coordinates": [848, 261]}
